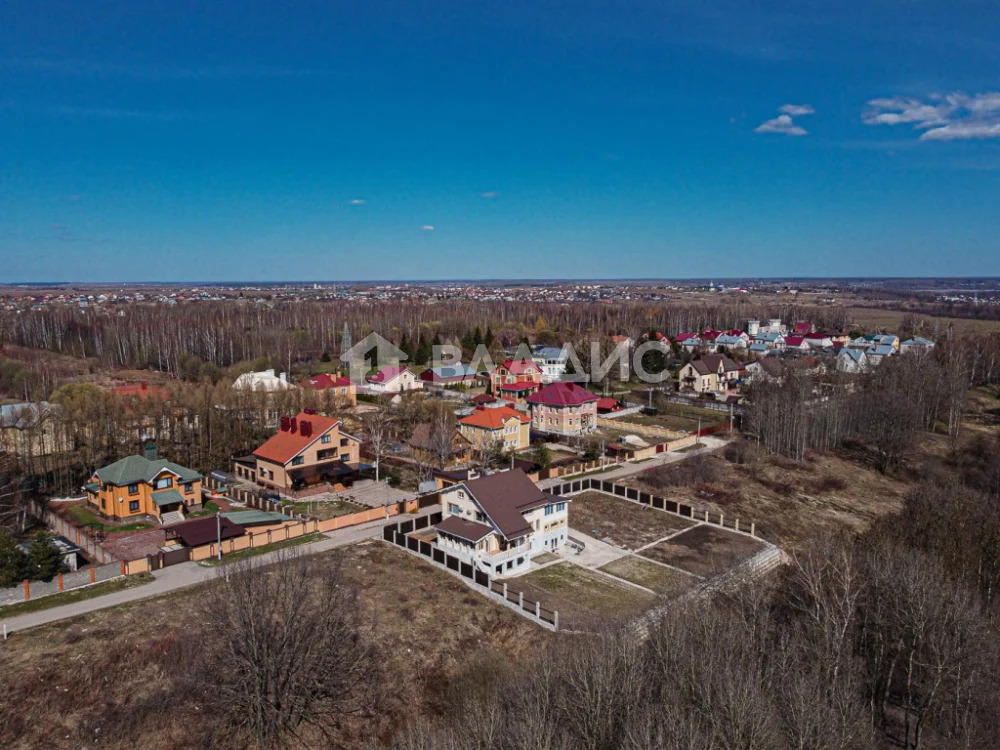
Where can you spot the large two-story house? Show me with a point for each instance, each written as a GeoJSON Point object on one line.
{"type": "Point", "coordinates": [307, 450]}
{"type": "Point", "coordinates": [563, 409]}
{"type": "Point", "coordinates": [392, 379]}
{"type": "Point", "coordinates": [496, 423]}
{"type": "Point", "coordinates": [516, 379]}
{"type": "Point", "coordinates": [343, 391]}
{"type": "Point", "coordinates": [713, 373]}
{"type": "Point", "coordinates": [135, 486]}
{"type": "Point", "coordinates": [499, 521]}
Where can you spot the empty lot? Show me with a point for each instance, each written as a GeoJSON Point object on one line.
{"type": "Point", "coordinates": [705, 550]}
{"type": "Point", "coordinates": [620, 522]}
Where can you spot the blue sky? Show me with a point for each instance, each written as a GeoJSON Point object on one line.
{"type": "Point", "coordinates": [569, 138]}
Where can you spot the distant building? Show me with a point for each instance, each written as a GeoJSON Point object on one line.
{"type": "Point", "coordinates": [501, 424]}
{"type": "Point", "coordinates": [563, 409]}
{"type": "Point", "coordinates": [265, 381]}
{"type": "Point", "coordinates": [392, 379]}
{"type": "Point", "coordinates": [343, 390]}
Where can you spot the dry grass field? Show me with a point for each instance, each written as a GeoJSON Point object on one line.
{"type": "Point", "coordinates": [595, 515]}
{"type": "Point", "coordinates": [705, 550]}
{"type": "Point", "coordinates": [664, 581]}
{"type": "Point", "coordinates": [110, 679]}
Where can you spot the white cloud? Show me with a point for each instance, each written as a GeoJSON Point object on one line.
{"type": "Point", "coordinates": [356, 202]}
{"type": "Point", "coordinates": [955, 116]}
{"type": "Point", "coordinates": [797, 110]}
{"type": "Point", "coordinates": [781, 124]}
{"type": "Point", "coordinates": [784, 123]}
{"type": "Point", "coordinates": [427, 228]}
{"type": "Point", "coordinates": [490, 194]}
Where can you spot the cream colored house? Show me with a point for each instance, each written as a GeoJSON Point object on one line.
{"type": "Point", "coordinates": [496, 424]}
{"type": "Point", "coordinates": [499, 521]}
{"type": "Point", "coordinates": [713, 373]}
{"type": "Point", "coordinates": [392, 380]}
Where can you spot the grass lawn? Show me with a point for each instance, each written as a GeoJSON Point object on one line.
{"type": "Point", "coordinates": [86, 517]}
{"type": "Point", "coordinates": [307, 539]}
{"type": "Point", "coordinates": [76, 595]}
{"type": "Point", "coordinates": [620, 522]}
{"type": "Point", "coordinates": [580, 595]}
{"type": "Point", "coordinates": [208, 509]}
{"type": "Point", "coordinates": [663, 581]}
{"type": "Point", "coordinates": [324, 509]}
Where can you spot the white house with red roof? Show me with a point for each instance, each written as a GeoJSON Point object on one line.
{"type": "Point", "coordinates": [308, 449]}
{"type": "Point", "coordinates": [563, 409]}
{"type": "Point", "coordinates": [392, 379]}
{"type": "Point", "coordinates": [796, 343]}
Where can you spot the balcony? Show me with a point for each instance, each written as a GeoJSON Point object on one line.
{"type": "Point", "coordinates": [502, 556]}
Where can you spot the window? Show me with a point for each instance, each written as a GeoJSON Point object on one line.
{"type": "Point", "coordinates": [454, 509]}
{"type": "Point", "coordinates": [189, 487]}
{"type": "Point", "coordinates": [164, 482]}
{"type": "Point", "coordinates": [133, 489]}
{"type": "Point", "coordinates": [298, 460]}
{"type": "Point", "coordinates": [326, 439]}
{"type": "Point", "coordinates": [560, 507]}
{"type": "Point", "coordinates": [133, 506]}
{"type": "Point", "coordinates": [345, 457]}
{"type": "Point", "coordinates": [550, 509]}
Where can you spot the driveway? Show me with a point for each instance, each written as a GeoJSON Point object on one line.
{"type": "Point", "coordinates": [191, 574]}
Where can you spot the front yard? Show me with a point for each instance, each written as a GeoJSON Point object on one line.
{"type": "Point", "coordinates": [84, 516]}
{"type": "Point", "coordinates": [324, 509]}
{"type": "Point", "coordinates": [581, 596]}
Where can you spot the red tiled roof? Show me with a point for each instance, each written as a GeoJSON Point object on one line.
{"type": "Point", "coordinates": [325, 380]}
{"type": "Point", "coordinates": [483, 398]}
{"type": "Point", "coordinates": [794, 341]}
{"type": "Point", "coordinates": [685, 337]}
{"type": "Point", "coordinates": [562, 394]}
{"type": "Point", "coordinates": [520, 367]}
{"type": "Point", "coordinates": [817, 336]}
{"type": "Point", "coordinates": [734, 332]}
{"type": "Point", "coordinates": [802, 327]}
{"type": "Point", "coordinates": [284, 445]}
{"type": "Point", "coordinates": [606, 404]}
{"type": "Point", "coordinates": [493, 419]}
{"type": "Point", "coordinates": [385, 374]}
{"type": "Point", "coordinates": [710, 335]}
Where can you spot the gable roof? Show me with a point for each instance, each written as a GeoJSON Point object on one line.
{"type": "Point", "coordinates": [420, 438]}
{"type": "Point", "coordinates": [325, 380]}
{"type": "Point", "coordinates": [448, 372]}
{"type": "Point", "coordinates": [135, 469]}
{"type": "Point", "coordinates": [140, 390]}
{"type": "Point", "coordinates": [205, 531]}
{"type": "Point", "coordinates": [794, 341]}
{"type": "Point", "coordinates": [855, 354]}
{"type": "Point", "coordinates": [493, 419]}
{"type": "Point", "coordinates": [386, 374]}
{"type": "Point", "coordinates": [470, 531]}
{"type": "Point", "coordinates": [562, 394]}
{"type": "Point", "coordinates": [284, 445]}
{"type": "Point", "coordinates": [521, 367]}
{"type": "Point", "coordinates": [682, 337]}
{"type": "Point", "coordinates": [710, 363]}
{"type": "Point", "coordinates": [504, 497]}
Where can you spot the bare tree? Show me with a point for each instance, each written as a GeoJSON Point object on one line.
{"type": "Point", "coordinates": [378, 427]}
{"type": "Point", "coordinates": [294, 655]}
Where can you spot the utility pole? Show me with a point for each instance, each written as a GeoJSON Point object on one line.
{"type": "Point", "coordinates": [697, 438]}
{"type": "Point", "coordinates": [218, 534]}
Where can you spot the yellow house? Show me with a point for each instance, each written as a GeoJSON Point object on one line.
{"type": "Point", "coordinates": [499, 424]}
{"type": "Point", "coordinates": [136, 486]}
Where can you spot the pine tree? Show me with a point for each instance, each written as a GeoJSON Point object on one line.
{"type": "Point", "coordinates": [11, 560]}
{"type": "Point", "coordinates": [44, 558]}
{"type": "Point", "coordinates": [488, 339]}
{"type": "Point", "coordinates": [477, 337]}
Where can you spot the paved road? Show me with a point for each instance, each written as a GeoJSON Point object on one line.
{"type": "Point", "coordinates": [709, 443]}
{"type": "Point", "coordinates": [190, 574]}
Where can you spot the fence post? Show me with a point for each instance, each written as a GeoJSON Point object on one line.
{"type": "Point", "coordinates": [27, 591]}
{"type": "Point", "coordinates": [520, 598]}
{"type": "Point", "coordinates": [753, 528]}
{"type": "Point", "coordinates": [706, 516]}
{"type": "Point", "coordinates": [123, 567]}
{"type": "Point", "coordinates": [555, 619]}
{"type": "Point", "coordinates": [722, 520]}
{"type": "Point", "coordinates": [60, 582]}
{"type": "Point", "coordinates": [505, 591]}
{"type": "Point", "coordinates": [737, 524]}
{"type": "Point", "coordinates": [538, 610]}
{"type": "Point", "coordinates": [93, 576]}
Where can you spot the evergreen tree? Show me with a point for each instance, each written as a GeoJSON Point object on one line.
{"type": "Point", "coordinates": [422, 352]}
{"type": "Point", "coordinates": [477, 337]}
{"type": "Point", "coordinates": [405, 346]}
{"type": "Point", "coordinates": [488, 338]}
{"type": "Point", "coordinates": [11, 560]}
{"type": "Point", "coordinates": [44, 558]}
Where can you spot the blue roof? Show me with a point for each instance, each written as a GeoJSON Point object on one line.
{"type": "Point", "coordinates": [454, 371]}
{"type": "Point", "coordinates": [854, 354]}
{"type": "Point", "coordinates": [758, 346]}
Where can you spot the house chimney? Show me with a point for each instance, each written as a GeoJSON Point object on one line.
{"type": "Point", "coordinates": [285, 424]}
{"type": "Point", "coordinates": [306, 428]}
{"type": "Point", "coordinates": [293, 425]}
{"type": "Point", "coordinates": [309, 410]}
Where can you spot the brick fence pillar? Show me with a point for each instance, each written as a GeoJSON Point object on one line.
{"type": "Point", "coordinates": [60, 582]}
{"type": "Point", "coordinates": [27, 590]}
{"type": "Point", "coordinates": [93, 576]}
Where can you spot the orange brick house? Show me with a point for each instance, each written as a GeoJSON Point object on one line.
{"type": "Point", "coordinates": [135, 486]}
{"type": "Point", "coordinates": [307, 450]}
{"type": "Point", "coordinates": [516, 379]}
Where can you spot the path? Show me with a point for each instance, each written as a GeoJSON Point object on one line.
{"type": "Point", "coordinates": [709, 443]}
{"type": "Point", "coordinates": [191, 574]}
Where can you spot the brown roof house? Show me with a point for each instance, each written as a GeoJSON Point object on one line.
{"type": "Point", "coordinates": [713, 373]}
{"type": "Point", "coordinates": [499, 521]}
{"type": "Point", "coordinates": [307, 450]}
{"type": "Point", "coordinates": [428, 446]}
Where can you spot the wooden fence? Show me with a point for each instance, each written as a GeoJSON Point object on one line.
{"type": "Point", "coordinates": [399, 534]}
